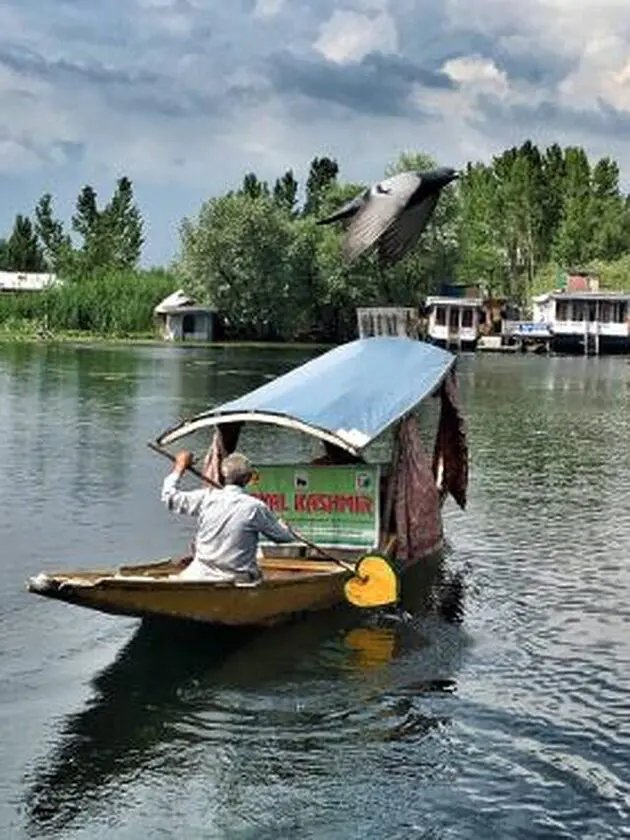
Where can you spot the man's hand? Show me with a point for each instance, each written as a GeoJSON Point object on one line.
{"type": "Point", "coordinates": [183, 460]}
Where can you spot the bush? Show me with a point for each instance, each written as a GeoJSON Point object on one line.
{"type": "Point", "coordinates": [105, 303]}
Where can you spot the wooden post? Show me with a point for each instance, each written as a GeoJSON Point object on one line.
{"type": "Point", "coordinates": [597, 316]}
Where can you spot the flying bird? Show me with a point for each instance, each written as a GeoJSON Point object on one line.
{"type": "Point", "coordinates": [392, 213]}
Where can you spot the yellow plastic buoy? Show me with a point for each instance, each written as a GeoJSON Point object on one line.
{"type": "Point", "coordinates": [374, 583]}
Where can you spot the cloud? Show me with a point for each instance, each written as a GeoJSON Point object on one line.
{"type": "Point", "coordinates": [380, 85]}
{"type": "Point", "coordinates": [186, 95]}
{"type": "Point", "coordinates": [349, 36]}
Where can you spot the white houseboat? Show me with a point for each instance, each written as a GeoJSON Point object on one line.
{"type": "Point", "coordinates": [592, 321]}
{"type": "Point", "coordinates": [455, 321]}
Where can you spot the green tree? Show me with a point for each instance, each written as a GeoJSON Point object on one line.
{"type": "Point", "coordinates": [573, 246]}
{"type": "Point", "coordinates": [285, 191]}
{"type": "Point", "coordinates": [253, 187]}
{"type": "Point", "coordinates": [121, 226]}
{"type": "Point", "coordinates": [21, 250]}
{"type": "Point", "coordinates": [481, 258]}
{"type": "Point", "coordinates": [55, 244]}
{"type": "Point", "coordinates": [236, 255]}
{"type": "Point", "coordinates": [322, 172]}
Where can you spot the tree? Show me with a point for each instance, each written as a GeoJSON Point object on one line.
{"type": "Point", "coordinates": [285, 191]}
{"type": "Point", "coordinates": [323, 172]}
{"type": "Point", "coordinates": [21, 251]}
{"type": "Point", "coordinates": [86, 215]}
{"type": "Point", "coordinates": [55, 243]}
{"type": "Point", "coordinates": [573, 241]}
{"type": "Point", "coordinates": [254, 188]}
{"type": "Point", "coordinates": [121, 225]}
{"type": "Point", "coordinates": [236, 255]}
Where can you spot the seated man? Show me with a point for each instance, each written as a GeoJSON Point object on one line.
{"type": "Point", "coordinates": [230, 521]}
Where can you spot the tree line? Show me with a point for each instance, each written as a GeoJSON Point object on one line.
{"type": "Point", "coordinates": [258, 255]}
{"type": "Point", "coordinates": [510, 225]}
{"type": "Point", "coordinates": [96, 257]}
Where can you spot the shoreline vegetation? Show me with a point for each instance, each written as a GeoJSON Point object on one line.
{"type": "Point", "coordinates": [514, 225]}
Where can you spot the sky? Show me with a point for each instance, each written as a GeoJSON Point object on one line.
{"type": "Point", "coordinates": [186, 96]}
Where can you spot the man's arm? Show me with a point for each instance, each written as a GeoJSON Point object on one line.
{"type": "Point", "coordinates": [181, 501]}
{"type": "Point", "coordinates": [270, 526]}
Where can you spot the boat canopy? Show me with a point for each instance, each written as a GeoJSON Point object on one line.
{"type": "Point", "coordinates": [347, 396]}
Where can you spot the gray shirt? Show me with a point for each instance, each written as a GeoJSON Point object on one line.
{"type": "Point", "coordinates": [230, 521]}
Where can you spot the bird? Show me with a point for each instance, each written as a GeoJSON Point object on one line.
{"type": "Point", "coordinates": [391, 214]}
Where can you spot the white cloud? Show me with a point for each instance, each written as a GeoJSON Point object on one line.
{"type": "Point", "coordinates": [350, 36]}
{"type": "Point", "coordinates": [481, 75]}
{"type": "Point", "coordinates": [268, 8]}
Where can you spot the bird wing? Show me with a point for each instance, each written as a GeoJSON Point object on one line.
{"type": "Point", "coordinates": [347, 210]}
{"type": "Point", "coordinates": [403, 234]}
{"type": "Point", "coordinates": [386, 201]}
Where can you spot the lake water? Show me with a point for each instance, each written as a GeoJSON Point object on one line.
{"type": "Point", "coordinates": [512, 724]}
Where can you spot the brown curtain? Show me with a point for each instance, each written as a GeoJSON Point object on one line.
{"type": "Point", "coordinates": [451, 446]}
{"type": "Point", "coordinates": [224, 442]}
{"type": "Point", "coordinates": [412, 497]}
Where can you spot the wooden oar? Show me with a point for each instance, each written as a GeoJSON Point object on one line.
{"type": "Point", "coordinates": [161, 451]}
{"type": "Point", "coordinates": [373, 583]}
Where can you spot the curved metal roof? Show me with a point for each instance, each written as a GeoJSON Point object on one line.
{"type": "Point", "coordinates": [348, 395]}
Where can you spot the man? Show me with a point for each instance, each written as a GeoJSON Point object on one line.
{"type": "Point", "coordinates": [230, 521]}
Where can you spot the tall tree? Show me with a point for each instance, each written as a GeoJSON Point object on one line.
{"type": "Point", "coordinates": [49, 229]}
{"type": "Point", "coordinates": [22, 251]}
{"type": "Point", "coordinates": [86, 215]}
{"type": "Point", "coordinates": [322, 173]}
{"type": "Point", "coordinates": [121, 226]}
{"type": "Point", "coordinates": [573, 245]}
{"type": "Point", "coordinates": [253, 187]}
{"type": "Point", "coordinates": [285, 191]}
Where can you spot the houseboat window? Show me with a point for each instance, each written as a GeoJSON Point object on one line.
{"type": "Point", "coordinates": [188, 324]}
{"type": "Point", "coordinates": [440, 316]}
{"type": "Point", "coordinates": [605, 313]}
{"type": "Point", "coordinates": [619, 312]}
{"type": "Point", "coordinates": [467, 318]}
{"type": "Point", "coordinates": [453, 318]}
{"type": "Point", "coordinates": [379, 324]}
{"type": "Point", "coordinates": [592, 312]}
{"type": "Point", "coordinates": [578, 311]}
{"type": "Point", "coordinates": [562, 310]}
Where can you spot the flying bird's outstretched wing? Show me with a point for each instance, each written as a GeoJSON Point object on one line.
{"type": "Point", "coordinates": [347, 210]}
{"type": "Point", "coordinates": [403, 234]}
{"type": "Point", "coordinates": [386, 202]}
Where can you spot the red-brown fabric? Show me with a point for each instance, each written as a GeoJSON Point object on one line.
{"type": "Point", "coordinates": [414, 497]}
{"type": "Point", "coordinates": [223, 443]}
{"type": "Point", "coordinates": [451, 446]}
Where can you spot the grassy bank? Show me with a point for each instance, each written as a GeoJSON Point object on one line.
{"type": "Point", "coordinates": [31, 332]}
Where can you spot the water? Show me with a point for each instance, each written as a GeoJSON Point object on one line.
{"type": "Point", "coordinates": [514, 724]}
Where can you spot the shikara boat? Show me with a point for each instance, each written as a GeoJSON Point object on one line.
{"type": "Point", "coordinates": [352, 513]}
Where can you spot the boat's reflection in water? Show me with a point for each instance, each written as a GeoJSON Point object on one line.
{"type": "Point", "coordinates": [171, 671]}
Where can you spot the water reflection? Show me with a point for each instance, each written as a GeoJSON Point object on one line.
{"type": "Point", "coordinates": [177, 684]}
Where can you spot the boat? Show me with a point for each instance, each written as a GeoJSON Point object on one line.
{"type": "Point", "coordinates": [361, 523]}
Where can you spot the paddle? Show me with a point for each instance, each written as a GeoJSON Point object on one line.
{"type": "Point", "coordinates": [373, 582]}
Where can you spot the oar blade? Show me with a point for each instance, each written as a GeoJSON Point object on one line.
{"type": "Point", "coordinates": [374, 584]}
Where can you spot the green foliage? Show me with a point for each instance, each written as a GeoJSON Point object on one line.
{"type": "Point", "coordinates": [322, 173]}
{"type": "Point", "coordinates": [511, 225]}
{"type": "Point", "coordinates": [21, 251]}
{"type": "Point", "coordinates": [113, 303]}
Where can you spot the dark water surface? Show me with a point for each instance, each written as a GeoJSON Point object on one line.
{"type": "Point", "coordinates": [514, 724]}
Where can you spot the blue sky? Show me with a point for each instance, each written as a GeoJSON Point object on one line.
{"type": "Point", "coordinates": [185, 96]}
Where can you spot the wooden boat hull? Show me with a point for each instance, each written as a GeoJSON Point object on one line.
{"type": "Point", "coordinates": [289, 587]}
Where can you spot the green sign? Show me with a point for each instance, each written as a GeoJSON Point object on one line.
{"type": "Point", "coordinates": [331, 506]}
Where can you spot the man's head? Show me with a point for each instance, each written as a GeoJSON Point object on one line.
{"type": "Point", "coordinates": [236, 469]}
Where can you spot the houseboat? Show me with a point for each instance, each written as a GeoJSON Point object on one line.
{"type": "Point", "coordinates": [361, 521]}
{"type": "Point", "coordinates": [585, 321]}
{"type": "Point", "coordinates": [454, 322]}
